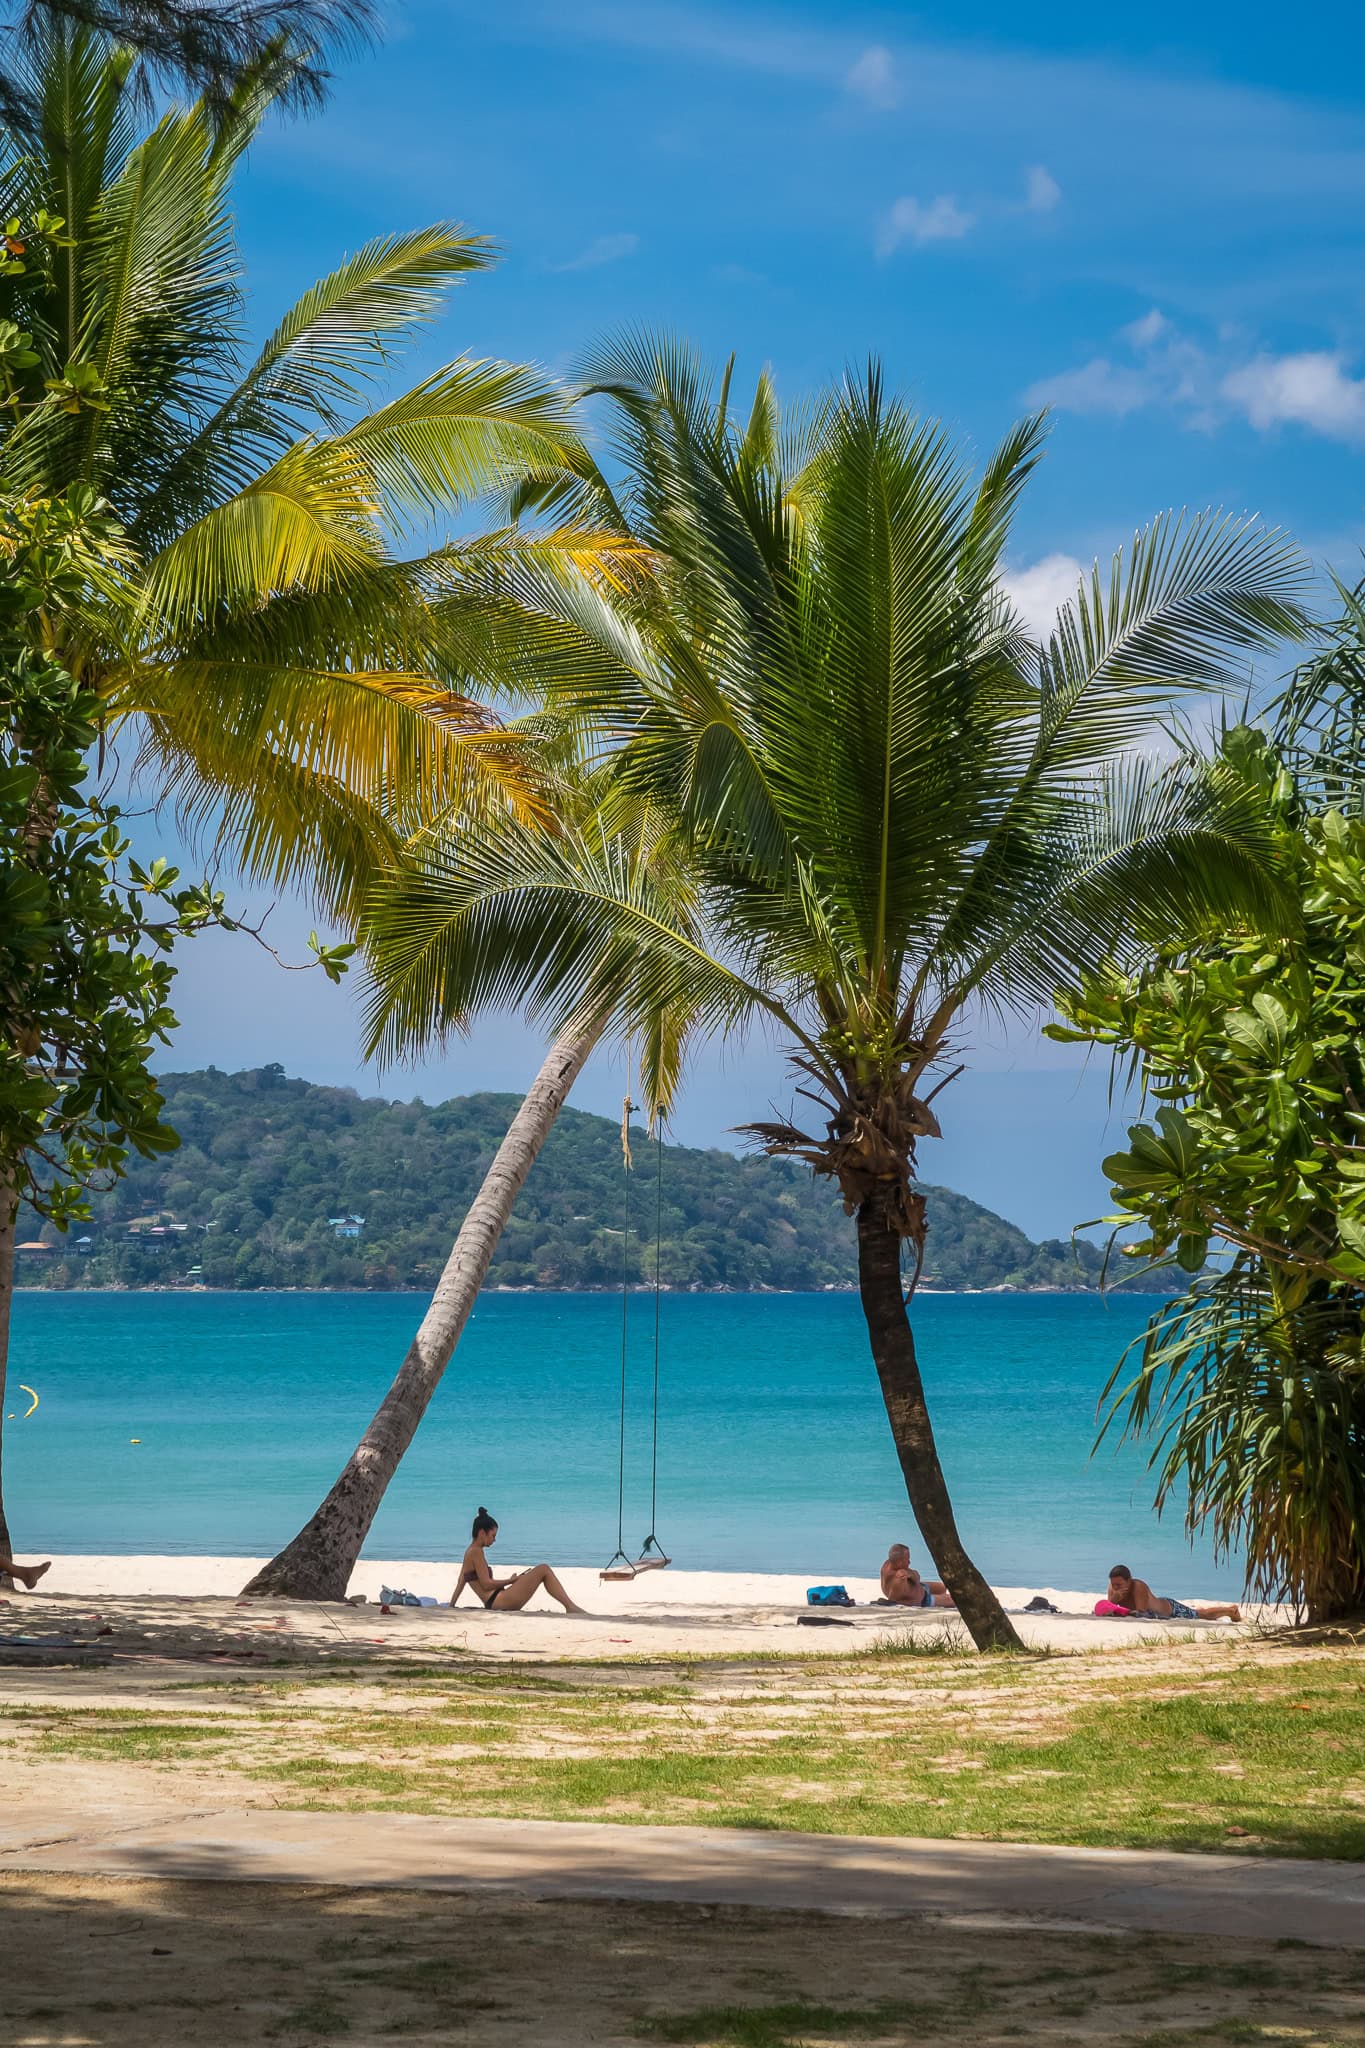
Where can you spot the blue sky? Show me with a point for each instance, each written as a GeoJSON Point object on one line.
{"type": "Point", "coordinates": [1157, 231]}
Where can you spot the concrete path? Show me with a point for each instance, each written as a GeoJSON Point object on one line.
{"type": "Point", "coordinates": [1210, 1896]}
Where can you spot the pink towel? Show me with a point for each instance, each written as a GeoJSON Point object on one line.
{"type": "Point", "coordinates": [1110, 1607]}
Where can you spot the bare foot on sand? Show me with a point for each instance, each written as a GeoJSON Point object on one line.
{"type": "Point", "coordinates": [27, 1574]}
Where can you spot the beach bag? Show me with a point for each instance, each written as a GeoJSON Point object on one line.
{"type": "Point", "coordinates": [828, 1596]}
{"type": "Point", "coordinates": [399, 1597]}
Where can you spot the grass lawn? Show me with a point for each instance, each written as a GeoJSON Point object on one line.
{"type": "Point", "coordinates": [1261, 1748]}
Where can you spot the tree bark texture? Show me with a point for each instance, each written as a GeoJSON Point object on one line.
{"type": "Point", "coordinates": [893, 1349]}
{"type": "Point", "coordinates": [8, 1219]}
{"type": "Point", "coordinates": [317, 1565]}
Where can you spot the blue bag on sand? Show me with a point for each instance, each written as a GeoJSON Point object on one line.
{"type": "Point", "coordinates": [828, 1596]}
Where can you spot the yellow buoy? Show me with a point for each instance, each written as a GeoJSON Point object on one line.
{"type": "Point", "coordinates": [135, 1439]}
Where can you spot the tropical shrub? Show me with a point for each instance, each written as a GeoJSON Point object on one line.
{"type": "Point", "coordinates": [1252, 1046]}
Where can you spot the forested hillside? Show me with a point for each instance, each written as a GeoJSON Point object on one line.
{"type": "Point", "coordinates": [272, 1174]}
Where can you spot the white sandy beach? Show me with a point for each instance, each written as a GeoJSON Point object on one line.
{"type": "Point", "coordinates": [668, 1612]}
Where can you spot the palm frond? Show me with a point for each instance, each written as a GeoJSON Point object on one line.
{"type": "Point", "coordinates": [304, 524]}
{"type": "Point", "coordinates": [330, 343]}
{"type": "Point", "coordinates": [1190, 599]}
{"type": "Point", "coordinates": [468, 429]}
{"type": "Point", "coordinates": [567, 925]}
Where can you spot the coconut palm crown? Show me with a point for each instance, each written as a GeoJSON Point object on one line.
{"type": "Point", "coordinates": [290, 668]}
{"type": "Point", "coordinates": [898, 807]}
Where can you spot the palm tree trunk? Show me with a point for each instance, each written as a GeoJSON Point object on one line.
{"type": "Point", "coordinates": [8, 1219]}
{"type": "Point", "coordinates": [318, 1564]}
{"type": "Point", "coordinates": [893, 1348]}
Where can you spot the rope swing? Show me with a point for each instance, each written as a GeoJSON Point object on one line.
{"type": "Point", "coordinates": [651, 1556]}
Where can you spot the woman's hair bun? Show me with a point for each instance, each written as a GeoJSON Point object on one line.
{"type": "Point", "coordinates": [481, 1509]}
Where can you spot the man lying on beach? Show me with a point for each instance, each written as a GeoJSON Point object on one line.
{"type": "Point", "coordinates": [903, 1586]}
{"type": "Point", "coordinates": [1137, 1596]}
{"type": "Point", "coordinates": [507, 1595]}
{"type": "Point", "coordinates": [27, 1575]}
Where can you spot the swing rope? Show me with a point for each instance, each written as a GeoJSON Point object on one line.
{"type": "Point", "coordinates": [652, 1555]}
{"type": "Point", "coordinates": [619, 1554]}
{"type": "Point", "coordinates": [651, 1542]}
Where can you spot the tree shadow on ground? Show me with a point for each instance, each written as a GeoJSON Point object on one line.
{"type": "Point", "coordinates": [149, 1963]}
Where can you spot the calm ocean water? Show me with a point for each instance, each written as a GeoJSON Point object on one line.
{"type": "Point", "coordinates": [774, 1454]}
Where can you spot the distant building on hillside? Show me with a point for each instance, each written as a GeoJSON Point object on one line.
{"type": "Point", "coordinates": [346, 1226]}
{"type": "Point", "coordinates": [33, 1244]}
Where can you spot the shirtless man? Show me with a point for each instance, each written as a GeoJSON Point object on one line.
{"type": "Point", "coordinates": [1137, 1596]}
{"type": "Point", "coordinates": [28, 1575]}
{"type": "Point", "coordinates": [903, 1586]}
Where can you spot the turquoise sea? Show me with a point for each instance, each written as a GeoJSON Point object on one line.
{"type": "Point", "coordinates": [774, 1448]}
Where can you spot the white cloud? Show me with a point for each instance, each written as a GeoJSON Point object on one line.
{"type": "Point", "coordinates": [1311, 389]}
{"type": "Point", "coordinates": [1146, 332]}
{"type": "Point", "coordinates": [1040, 591]}
{"type": "Point", "coordinates": [873, 79]}
{"type": "Point", "coordinates": [918, 221]}
{"type": "Point", "coordinates": [606, 249]}
{"type": "Point", "coordinates": [1042, 192]}
{"type": "Point", "coordinates": [1207, 383]}
{"type": "Point", "coordinates": [1097, 386]}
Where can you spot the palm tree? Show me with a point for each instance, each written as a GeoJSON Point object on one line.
{"type": "Point", "coordinates": [897, 809]}
{"type": "Point", "coordinates": [188, 46]}
{"type": "Point", "coordinates": [586, 815]}
{"type": "Point", "coordinates": [292, 674]}
{"type": "Point", "coordinates": [300, 687]}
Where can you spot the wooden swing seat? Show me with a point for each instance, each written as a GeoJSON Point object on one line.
{"type": "Point", "coordinates": [623, 1574]}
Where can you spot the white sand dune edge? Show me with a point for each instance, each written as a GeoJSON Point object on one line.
{"type": "Point", "coordinates": [670, 1611]}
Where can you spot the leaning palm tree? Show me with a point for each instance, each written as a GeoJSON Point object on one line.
{"type": "Point", "coordinates": [896, 807]}
{"type": "Point", "coordinates": [586, 811]}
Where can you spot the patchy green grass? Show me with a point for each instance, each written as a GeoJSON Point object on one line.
{"type": "Point", "coordinates": [1262, 1754]}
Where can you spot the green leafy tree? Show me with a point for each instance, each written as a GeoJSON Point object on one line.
{"type": "Point", "coordinates": [1253, 1381]}
{"type": "Point", "coordinates": [85, 930]}
{"type": "Point", "coordinates": [894, 806]}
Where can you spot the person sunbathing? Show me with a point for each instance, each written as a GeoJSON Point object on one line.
{"type": "Point", "coordinates": [1137, 1596]}
{"type": "Point", "coordinates": [903, 1586]}
{"type": "Point", "coordinates": [28, 1575]}
{"type": "Point", "coordinates": [507, 1595]}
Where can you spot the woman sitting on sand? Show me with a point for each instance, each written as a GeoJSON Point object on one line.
{"type": "Point", "coordinates": [505, 1594]}
{"type": "Point", "coordinates": [1137, 1596]}
{"type": "Point", "coordinates": [902, 1585]}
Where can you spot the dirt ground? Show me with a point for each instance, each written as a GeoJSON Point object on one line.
{"type": "Point", "coordinates": [92, 1963]}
